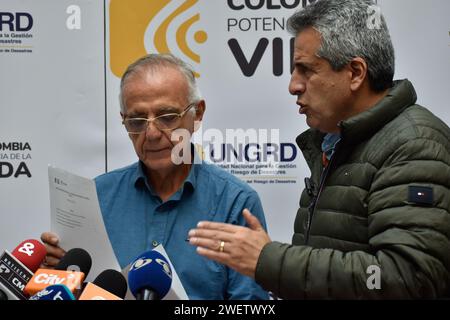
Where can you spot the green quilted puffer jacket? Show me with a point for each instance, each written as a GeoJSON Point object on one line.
{"type": "Point", "coordinates": [375, 223]}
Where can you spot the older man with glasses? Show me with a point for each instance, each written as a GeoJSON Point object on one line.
{"type": "Point", "coordinates": [157, 200]}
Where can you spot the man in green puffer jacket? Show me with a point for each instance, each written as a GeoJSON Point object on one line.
{"type": "Point", "coordinates": [374, 218]}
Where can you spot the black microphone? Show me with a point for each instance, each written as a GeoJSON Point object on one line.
{"type": "Point", "coordinates": [109, 285]}
{"type": "Point", "coordinates": [70, 271]}
{"type": "Point", "coordinates": [150, 276]}
{"type": "Point", "coordinates": [76, 259]}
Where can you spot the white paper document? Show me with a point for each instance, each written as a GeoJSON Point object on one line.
{"type": "Point", "coordinates": [77, 220]}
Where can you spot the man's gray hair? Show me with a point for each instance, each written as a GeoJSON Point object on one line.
{"type": "Point", "coordinates": [154, 62]}
{"type": "Point", "coordinates": [349, 29]}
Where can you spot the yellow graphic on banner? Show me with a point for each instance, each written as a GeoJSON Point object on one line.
{"type": "Point", "coordinates": [129, 21]}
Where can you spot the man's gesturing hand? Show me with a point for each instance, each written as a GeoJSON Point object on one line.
{"type": "Point", "coordinates": [235, 246]}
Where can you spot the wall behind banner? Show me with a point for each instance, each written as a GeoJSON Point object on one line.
{"type": "Point", "coordinates": [59, 85]}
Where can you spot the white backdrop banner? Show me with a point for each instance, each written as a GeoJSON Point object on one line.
{"type": "Point", "coordinates": [52, 105]}
{"type": "Point", "coordinates": [61, 63]}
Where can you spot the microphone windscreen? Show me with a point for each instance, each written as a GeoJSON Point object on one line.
{"type": "Point", "coordinates": [54, 292]}
{"type": "Point", "coordinates": [151, 271]}
{"type": "Point", "coordinates": [112, 281]}
{"type": "Point", "coordinates": [75, 257]}
{"type": "Point", "coordinates": [31, 253]}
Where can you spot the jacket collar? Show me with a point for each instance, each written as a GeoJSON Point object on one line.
{"type": "Point", "coordinates": [365, 124]}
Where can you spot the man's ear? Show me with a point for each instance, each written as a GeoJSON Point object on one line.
{"type": "Point", "coordinates": [358, 70]}
{"type": "Point", "coordinates": [200, 110]}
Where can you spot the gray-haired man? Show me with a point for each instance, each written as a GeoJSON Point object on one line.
{"type": "Point", "coordinates": [374, 218]}
{"type": "Point", "coordinates": [158, 199]}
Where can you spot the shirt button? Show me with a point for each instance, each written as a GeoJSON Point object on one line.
{"type": "Point", "coordinates": [155, 243]}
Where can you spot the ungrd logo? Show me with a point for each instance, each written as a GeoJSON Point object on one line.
{"type": "Point", "coordinates": [139, 27]}
{"type": "Point", "coordinates": [15, 21]}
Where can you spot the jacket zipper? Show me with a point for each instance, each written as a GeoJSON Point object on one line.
{"type": "Point", "coordinates": [313, 204]}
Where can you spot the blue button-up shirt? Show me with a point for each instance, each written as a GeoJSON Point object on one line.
{"type": "Point", "coordinates": [137, 220]}
{"type": "Point", "coordinates": [329, 144]}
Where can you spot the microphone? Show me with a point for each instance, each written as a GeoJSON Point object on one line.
{"type": "Point", "coordinates": [76, 259]}
{"type": "Point", "coordinates": [16, 268]}
{"type": "Point", "coordinates": [54, 292]}
{"type": "Point", "coordinates": [109, 285]}
{"type": "Point", "coordinates": [70, 271]}
{"type": "Point", "coordinates": [31, 253]}
{"type": "Point", "coordinates": [150, 276]}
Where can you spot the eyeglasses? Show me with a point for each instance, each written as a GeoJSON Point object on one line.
{"type": "Point", "coordinates": [164, 122]}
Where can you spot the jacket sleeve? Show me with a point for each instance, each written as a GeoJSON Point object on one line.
{"type": "Point", "coordinates": [409, 241]}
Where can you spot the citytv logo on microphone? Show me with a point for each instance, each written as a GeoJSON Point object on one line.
{"type": "Point", "coordinates": [144, 26]}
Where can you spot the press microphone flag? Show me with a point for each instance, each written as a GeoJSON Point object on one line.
{"type": "Point", "coordinates": [54, 292]}
{"type": "Point", "coordinates": [13, 277]}
{"type": "Point", "coordinates": [109, 285]}
{"type": "Point", "coordinates": [16, 268]}
{"type": "Point", "coordinates": [31, 253]}
{"type": "Point", "coordinates": [70, 271]}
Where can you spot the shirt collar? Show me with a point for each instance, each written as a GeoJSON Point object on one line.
{"type": "Point", "coordinates": [140, 179]}
{"type": "Point", "coordinates": [329, 144]}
